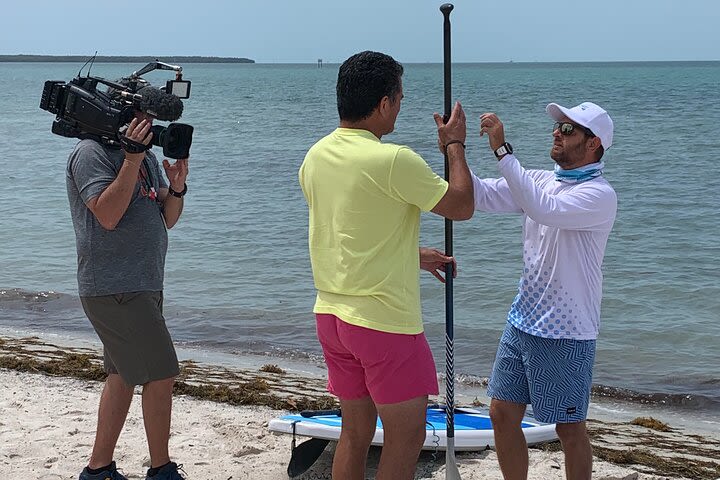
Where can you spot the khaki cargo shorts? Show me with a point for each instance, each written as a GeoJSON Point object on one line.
{"type": "Point", "coordinates": [136, 341]}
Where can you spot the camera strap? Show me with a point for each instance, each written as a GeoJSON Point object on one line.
{"type": "Point", "coordinates": [131, 146]}
{"type": "Point", "coordinates": [148, 180]}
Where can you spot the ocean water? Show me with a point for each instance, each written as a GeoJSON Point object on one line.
{"type": "Point", "coordinates": [238, 277]}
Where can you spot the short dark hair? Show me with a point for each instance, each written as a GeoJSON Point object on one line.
{"type": "Point", "coordinates": [363, 80]}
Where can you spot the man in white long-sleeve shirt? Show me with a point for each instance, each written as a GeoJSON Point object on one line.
{"type": "Point", "coordinates": [547, 351]}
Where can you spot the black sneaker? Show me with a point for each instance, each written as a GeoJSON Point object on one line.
{"type": "Point", "coordinates": [168, 472]}
{"type": "Point", "coordinates": [109, 474]}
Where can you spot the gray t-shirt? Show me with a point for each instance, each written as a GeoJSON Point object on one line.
{"type": "Point", "coordinates": [130, 258]}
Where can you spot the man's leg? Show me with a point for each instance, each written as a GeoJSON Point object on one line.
{"type": "Point", "coordinates": [359, 418]}
{"type": "Point", "coordinates": [510, 443]}
{"type": "Point", "coordinates": [346, 380]}
{"type": "Point", "coordinates": [390, 374]}
{"type": "Point", "coordinates": [578, 451]}
{"type": "Point", "coordinates": [114, 405]}
{"type": "Point", "coordinates": [404, 435]}
{"type": "Point", "coordinates": [157, 407]}
{"type": "Point", "coordinates": [510, 395]}
{"type": "Point", "coordinates": [138, 348]}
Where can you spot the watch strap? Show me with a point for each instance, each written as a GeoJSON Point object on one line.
{"type": "Point", "coordinates": [178, 194]}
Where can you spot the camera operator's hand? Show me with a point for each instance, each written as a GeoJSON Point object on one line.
{"type": "Point", "coordinates": [172, 199]}
{"type": "Point", "coordinates": [137, 135]}
{"type": "Point", "coordinates": [176, 173]}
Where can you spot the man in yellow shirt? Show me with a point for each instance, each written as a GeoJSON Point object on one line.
{"type": "Point", "coordinates": [365, 199]}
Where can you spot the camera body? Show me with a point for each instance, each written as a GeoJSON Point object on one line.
{"type": "Point", "coordinates": [84, 111]}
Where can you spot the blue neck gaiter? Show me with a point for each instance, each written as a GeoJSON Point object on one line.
{"type": "Point", "coordinates": [579, 175]}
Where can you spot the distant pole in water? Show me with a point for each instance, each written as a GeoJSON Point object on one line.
{"type": "Point", "coordinates": [319, 62]}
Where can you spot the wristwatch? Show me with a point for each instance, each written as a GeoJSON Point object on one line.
{"type": "Point", "coordinates": [503, 149]}
{"type": "Point", "coordinates": [178, 194]}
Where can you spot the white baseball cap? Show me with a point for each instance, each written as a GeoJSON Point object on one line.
{"type": "Point", "coordinates": [588, 115]}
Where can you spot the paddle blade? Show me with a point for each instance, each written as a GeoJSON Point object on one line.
{"type": "Point", "coordinates": [305, 455]}
{"type": "Point", "coordinates": [451, 469]}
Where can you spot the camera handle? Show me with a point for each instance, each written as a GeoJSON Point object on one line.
{"type": "Point", "coordinates": [157, 65]}
{"type": "Point", "coordinates": [178, 87]}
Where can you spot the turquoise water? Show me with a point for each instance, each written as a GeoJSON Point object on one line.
{"type": "Point", "coordinates": [238, 275]}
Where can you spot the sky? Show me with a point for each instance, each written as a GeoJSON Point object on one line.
{"type": "Point", "coordinates": [303, 31]}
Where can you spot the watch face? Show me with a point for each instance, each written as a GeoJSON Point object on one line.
{"type": "Point", "coordinates": [503, 149]}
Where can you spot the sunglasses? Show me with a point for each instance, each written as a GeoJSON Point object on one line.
{"type": "Point", "coordinates": [567, 128]}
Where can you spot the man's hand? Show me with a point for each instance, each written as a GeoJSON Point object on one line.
{"type": "Point", "coordinates": [138, 133]}
{"type": "Point", "coordinates": [454, 129]}
{"type": "Point", "coordinates": [432, 260]}
{"type": "Point", "coordinates": [176, 173]}
{"type": "Point", "coordinates": [491, 124]}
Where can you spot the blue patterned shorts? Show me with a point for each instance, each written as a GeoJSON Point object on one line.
{"type": "Point", "coordinates": [553, 375]}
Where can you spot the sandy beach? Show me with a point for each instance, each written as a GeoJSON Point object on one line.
{"type": "Point", "coordinates": [48, 421]}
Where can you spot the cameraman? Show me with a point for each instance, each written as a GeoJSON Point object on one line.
{"type": "Point", "coordinates": [121, 209]}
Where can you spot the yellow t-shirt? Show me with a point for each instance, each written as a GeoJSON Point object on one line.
{"type": "Point", "coordinates": [365, 199]}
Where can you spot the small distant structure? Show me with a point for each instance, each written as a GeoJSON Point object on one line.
{"type": "Point", "coordinates": [319, 62]}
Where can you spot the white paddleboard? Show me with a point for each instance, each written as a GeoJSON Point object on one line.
{"type": "Point", "coordinates": [473, 429]}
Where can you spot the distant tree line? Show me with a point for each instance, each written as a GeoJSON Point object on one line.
{"type": "Point", "coordinates": [122, 59]}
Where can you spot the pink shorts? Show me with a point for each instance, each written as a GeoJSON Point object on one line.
{"type": "Point", "coordinates": [389, 367]}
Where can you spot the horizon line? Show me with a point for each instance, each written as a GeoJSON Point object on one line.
{"type": "Point", "coordinates": [40, 58]}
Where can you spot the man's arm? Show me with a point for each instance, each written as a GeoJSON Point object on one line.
{"type": "Point", "coordinates": [172, 207]}
{"type": "Point", "coordinates": [110, 206]}
{"type": "Point", "coordinates": [457, 203]}
{"type": "Point", "coordinates": [173, 204]}
{"type": "Point", "coordinates": [587, 207]}
{"type": "Point", "coordinates": [493, 195]}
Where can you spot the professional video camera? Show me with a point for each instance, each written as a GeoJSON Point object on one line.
{"type": "Point", "coordinates": [83, 111]}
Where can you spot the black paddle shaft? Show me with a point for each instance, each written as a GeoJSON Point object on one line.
{"type": "Point", "coordinates": [449, 320]}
